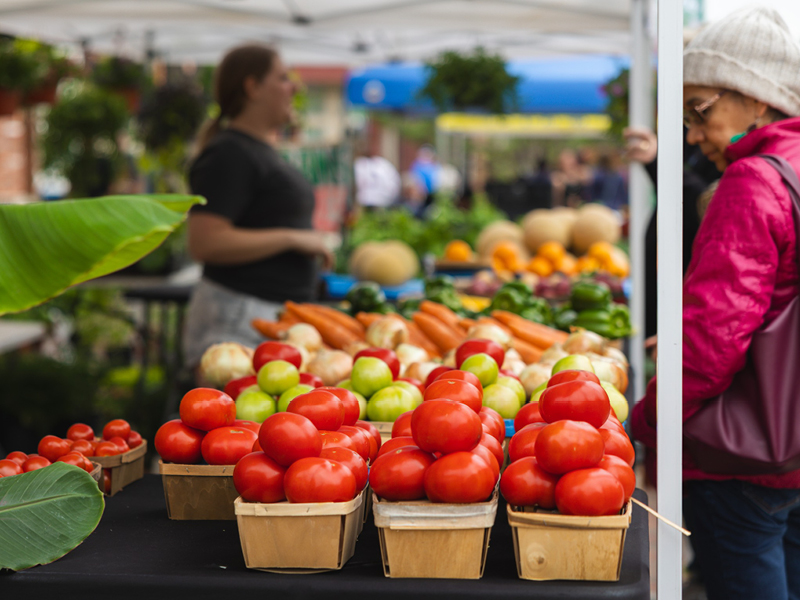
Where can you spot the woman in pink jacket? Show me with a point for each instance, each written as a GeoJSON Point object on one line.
{"type": "Point", "coordinates": [742, 98]}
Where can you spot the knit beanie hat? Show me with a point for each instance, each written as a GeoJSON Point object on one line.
{"type": "Point", "coordinates": [750, 51]}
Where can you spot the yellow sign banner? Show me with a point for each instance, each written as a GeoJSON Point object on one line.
{"type": "Point", "coordinates": [591, 125]}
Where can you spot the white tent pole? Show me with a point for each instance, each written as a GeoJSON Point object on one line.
{"type": "Point", "coordinates": [670, 293]}
{"type": "Point", "coordinates": [641, 112]}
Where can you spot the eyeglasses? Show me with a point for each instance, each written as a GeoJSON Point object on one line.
{"type": "Point", "coordinates": [697, 115]}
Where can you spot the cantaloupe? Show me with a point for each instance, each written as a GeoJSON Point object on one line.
{"type": "Point", "coordinates": [387, 263]}
{"type": "Point", "coordinates": [595, 223]}
{"type": "Point", "coordinates": [544, 226]}
{"type": "Point", "coordinates": [497, 232]}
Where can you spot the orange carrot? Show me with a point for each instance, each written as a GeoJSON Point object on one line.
{"type": "Point", "coordinates": [367, 319]}
{"type": "Point", "coordinates": [495, 322]}
{"type": "Point", "coordinates": [332, 334]}
{"type": "Point", "coordinates": [441, 312]}
{"type": "Point", "coordinates": [270, 329]}
{"type": "Point", "coordinates": [339, 318]}
{"type": "Point", "coordinates": [529, 353]}
{"type": "Point", "coordinates": [445, 337]}
{"type": "Point", "coordinates": [289, 318]}
{"type": "Point", "coordinates": [528, 331]}
{"type": "Point", "coordinates": [467, 324]}
{"type": "Point", "coordinates": [417, 338]}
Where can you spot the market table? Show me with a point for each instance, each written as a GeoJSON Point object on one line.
{"type": "Point", "coordinates": [137, 552]}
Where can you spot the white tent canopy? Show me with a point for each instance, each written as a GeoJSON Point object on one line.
{"type": "Point", "coordinates": [349, 32]}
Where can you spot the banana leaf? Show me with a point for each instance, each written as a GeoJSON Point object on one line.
{"type": "Point", "coordinates": [45, 514]}
{"type": "Point", "coordinates": [47, 247]}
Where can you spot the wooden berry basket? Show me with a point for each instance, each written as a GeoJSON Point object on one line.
{"type": "Point", "coordinates": [299, 538]}
{"type": "Point", "coordinates": [429, 540]}
{"type": "Point", "coordinates": [549, 545]}
{"type": "Point", "coordinates": [198, 492]}
{"type": "Point", "coordinates": [123, 468]}
{"type": "Point", "coordinates": [97, 474]}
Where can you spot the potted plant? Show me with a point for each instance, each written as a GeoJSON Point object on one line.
{"type": "Point", "coordinates": [18, 70]}
{"type": "Point", "coordinates": [53, 66]}
{"type": "Point", "coordinates": [121, 76]}
{"type": "Point", "coordinates": [81, 138]}
{"type": "Point", "coordinates": [470, 82]}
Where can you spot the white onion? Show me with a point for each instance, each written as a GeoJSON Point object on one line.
{"type": "Point", "coordinates": [332, 366]}
{"type": "Point", "coordinates": [224, 362]}
{"type": "Point", "coordinates": [387, 332]}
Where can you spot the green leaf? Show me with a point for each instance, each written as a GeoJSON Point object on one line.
{"type": "Point", "coordinates": [45, 514]}
{"type": "Point", "coordinates": [49, 246]}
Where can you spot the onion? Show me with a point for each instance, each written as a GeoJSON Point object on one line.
{"type": "Point", "coordinates": [609, 370]}
{"type": "Point", "coordinates": [535, 375]}
{"type": "Point", "coordinates": [387, 332]}
{"type": "Point", "coordinates": [515, 366]}
{"type": "Point", "coordinates": [408, 354]}
{"type": "Point", "coordinates": [553, 354]}
{"type": "Point", "coordinates": [332, 366]}
{"type": "Point", "coordinates": [420, 370]}
{"type": "Point", "coordinates": [617, 355]}
{"type": "Point", "coordinates": [511, 355]}
{"type": "Point", "coordinates": [356, 347]}
{"type": "Point", "coordinates": [305, 335]}
{"type": "Point", "coordinates": [583, 341]}
{"type": "Point", "coordinates": [221, 363]}
{"type": "Point", "coordinates": [491, 332]}
{"type": "Point", "coordinates": [305, 356]}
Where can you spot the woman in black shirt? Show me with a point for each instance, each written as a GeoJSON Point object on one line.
{"type": "Point", "coordinates": [254, 236]}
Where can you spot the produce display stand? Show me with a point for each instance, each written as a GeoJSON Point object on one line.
{"type": "Point", "coordinates": [124, 468]}
{"type": "Point", "coordinates": [299, 538]}
{"type": "Point", "coordinates": [198, 492]}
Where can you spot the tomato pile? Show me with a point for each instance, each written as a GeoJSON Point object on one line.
{"type": "Point", "coordinates": [76, 448]}
{"type": "Point", "coordinates": [569, 451]}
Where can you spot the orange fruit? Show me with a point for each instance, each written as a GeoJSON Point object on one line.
{"type": "Point", "coordinates": [567, 265]}
{"type": "Point", "coordinates": [587, 264]}
{"type": "Point", "coordinates": [552, 251]}
{"type": "Point", "coordinates": [458, 250]}
{"type": "Point", "coordinates": [541, 266]}
{"type": "Point", "coordinates": [601, 251]}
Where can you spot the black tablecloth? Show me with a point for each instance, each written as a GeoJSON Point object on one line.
{"type": "Point", "coordinates": [137, 552]}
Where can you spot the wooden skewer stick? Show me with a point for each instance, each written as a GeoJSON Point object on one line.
{"type": "Point", "coordinates": [685, 532]}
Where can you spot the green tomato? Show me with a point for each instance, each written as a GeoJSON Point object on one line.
{"type": "Point", "coordinates": [389, 403]}
{"type": "Point", "coordinates": [578, 362]}
{"type": "Point", "coordinates": [277, 376]}
{"type": "Point", "coordinates": [291, 394]}
{"type": "Point", "coordinates": [369, 375]}
{"type": "Point", "coordinates": [514, 385]}
{"type": "Point", "coordinates": [483, 366]}
{"type": "Point", "coordinates": [537, 393]}
{"type": "Point", "coordinates": [619, 403]}
{"type": "Point", "coordinates": [411, 389]}
{"type": "Point", "coordinates": [502, 399]}
{"type": "Point", "coordinates": [254, 405]}
{"type": "Point", "coordinates": [345, 384]}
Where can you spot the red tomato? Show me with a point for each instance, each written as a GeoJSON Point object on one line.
{"type": "Point", "coordinates": [134, 439]}
{"type": "Point", "coordinates": [620, 469]}
{"type": "Point", "coordinates": [287, 437]}
{"type": "Point", "coordinates": [317, 479]}
{"type": "Point", "coordinates": [226, 445]}
{"type": "Point", "coordinates": [575, 401]}
{"type": "Point", "coordinates": [384, 354]}
{"type": "Point", "coordinates": [525, 483]}
{"type": "Point", "coordinates": [361, 440]}
{"type": "Point", "coordinates": [471, 347]}
{"type": "Point", "coordinates": [336, 439]}
{"type": "Point", "coordinates": [374, 434]}
{"type": "Point", "coordinates": [494, 447]}
{"type": "Point", "coordinates": [508, 373]}
{"type": "Point", "coordinates": [402, 426]}
{"type": "Point", "coordinates": [445, 426]}
{"type": "Point", "coordinates": [107, 481]}
{"type": "Point", "coordinates": [322, 408]}
{"type": "Point", "coordinates": [530, 413]}
{"type": "Point", "coordinates": [456, 375]}
{"type": "Point", "coordinates": [120, 443]}
{"type": "Point", "coordinates": [400, 474]}
{"type": "Point", "coordinates": [490, 459]}
{"type": "Point", "coordinates": [235, 386]}
{"type": "Point", "coordinates": [251, 425]}
{"type": "Point", "coordinates": [312, 380]}
{"type": "Point", "coordinates": [523, 442]}
{"type": "Point", "coordinates": [257, 447]}
{"type": "Point", "coordinates": [178, 443]}
{"type": "Point", "coordinates": [461, 477]}
{"type": "Point", "coordinates": [395, 443]}
{"type": "Point", "coordinates": [494, 423]}
{"type": "Point", "coordinates": [52, 447]}
{"type": "Point", "coordinates": [572, 375]}
{"type": "Point", "coordinates": [206, 409]}
{"type": "Point", "coordinates": [352, 409]}
{"type": "Point", "coordinates": [77, 459]}
{"type": "Point", "coordinates": [107, 448]}
{"type": "Point", "coordinates": [618, 444]}
{"type": "Point", "coordinates": [269, 351]}
{"type": "Point", "coordinates": [18, 457]}
{"type": "Point", "coordinates": [613, 424]}
{"type": "Point", "coordinates": [116, 428]}
{"type": "Point", "coordinates": [9, 467]}
{"type": "Point", "coordinates": [351, 460]}
{"type": "Point", "coordinates": [80, 431]}
{"type": "Point", "coordinates": [433, 375]}
{"type": "Point", "coordinates": [589, 492]}
{"type": "Point", "coordinates": [258, 478]}
{"type": "Point", "coordinates": [85, 447]}
{"type": "Point", "coordinates": [35, 462]}
{"type": "Point", "coordinates": [414, 382]}
{"type": "Point", "coordinates": [458, 391]}
{"type": "Point", "coordinates": [568, 445]}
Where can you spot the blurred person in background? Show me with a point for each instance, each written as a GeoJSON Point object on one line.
{"type": "Point", "coordinates": [608, 186]}
{"type": "Point", "coordinates": [254, 236]}
{"type": "Point", "coordinates": [570, 181]}
{"type": "Point", "coordinates": [377, 180]}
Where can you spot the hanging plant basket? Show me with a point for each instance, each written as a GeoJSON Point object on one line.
{"type": "Point", "coordinates": [9, 102]}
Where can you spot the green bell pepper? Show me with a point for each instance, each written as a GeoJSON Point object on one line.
{"type": "Point", "coordinates": [365, 297]}
{"type": "Point", "coordinates": [565, 318]}
{"type": "Point", "coordinates": [588, 295]}
{"type": "Point", "coordinates": [613, 322]}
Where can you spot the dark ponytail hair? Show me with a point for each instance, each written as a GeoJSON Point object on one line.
{"type": "Point", "coordinates": [251, 60]}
